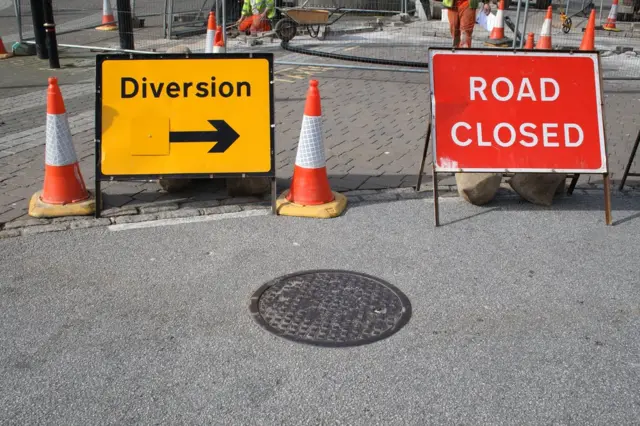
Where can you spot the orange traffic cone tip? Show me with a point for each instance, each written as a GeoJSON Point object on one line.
{"type": "Point", "coordinates": [530, 41]}
{"type": "Point", "coordinates": [310, 194]}
{"type": "Point", "coordinates": [549, 13]}
{"type": "Point", "coordinates": [64, 192]}
{"type": "Point", "coordinates": [55, 103]}
{"type": "Point", "coordinates": [312, 107]}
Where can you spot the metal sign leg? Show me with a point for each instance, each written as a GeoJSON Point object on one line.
{"type": "Point", "coordinates": [274, 196]}
{"type": "Point", "coordinates": [607, 200]}
{"type": "Point", "coordinates": [424, 155]}
{"type": "Point", "coordinates": [436, 204]}
{"type": "Point", "coordinates": [573, 183]}
{"type": "Point", "coordinates": [631, 158]}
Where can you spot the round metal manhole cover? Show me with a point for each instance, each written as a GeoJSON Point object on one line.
{"type": "Point", "coordinates": [330, 308]}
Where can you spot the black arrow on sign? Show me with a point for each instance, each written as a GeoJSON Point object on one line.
{"type": "Point", "coordinates": [224, 136]}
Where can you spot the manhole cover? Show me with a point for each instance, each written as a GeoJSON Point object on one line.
{"type": "Point", "coordinates": [330, 308]}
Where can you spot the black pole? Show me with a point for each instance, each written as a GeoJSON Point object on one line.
{"type": "Point", "coordinates": [37, 14]}
{"type": "Point", "coordinates": [50, 28]}
{"type": "Point", "coordinates": [125, 24]}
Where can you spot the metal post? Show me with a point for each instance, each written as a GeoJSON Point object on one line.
{"type": "Point", "coordinates": [125, 24]}
{"type": "Point", "coordinates": [18, 9]}
{"type": "Point", "coordinates": [607, 199]}
{"type": "Point", "coordinates": [524, 24]}
{"type": "Point", "coordinates": [50, 29]}
{"type": "Point", "coordinates": [170, 18]}
{"type": "Point", "coordinates": [515, 31]}
{"type": "Point", "coordinates": [37, 15]}
{"type": "Point", "coordinates": [601, 4]}
{"type": "Point", "coordinates": [164, 18]}
{"type": "Point", "coordinates": [224, 24]}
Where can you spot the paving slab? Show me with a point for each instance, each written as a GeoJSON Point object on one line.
{"type": "Point", "coordinates": [374, 127]}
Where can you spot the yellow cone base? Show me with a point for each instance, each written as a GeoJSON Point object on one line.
{"type": "Point", "coordinates": [5, 55]}
{"type": "Point", "coordinates": [334, 208]}
{"type": "Point", "coordinates": [617, 30]}
{"type": "Point", "coordinates": [503, 42]}
{"type": "Point", "coordinates": [38, 208]}
{"type": "Point", "coordinates": [107, 27]}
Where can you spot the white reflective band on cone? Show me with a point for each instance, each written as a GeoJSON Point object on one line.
{"type": "Point", "coordinates": [209, 43]}
{"type": "Point", "coordinates": [310, 148]}
{"type": "Point", "coordinates": [546, 28]}
{"type": "Point", "coordinates": [59, 147]}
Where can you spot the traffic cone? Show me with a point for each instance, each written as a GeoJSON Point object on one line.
{"type": "Point", "coordinates": [3, 51]}
{"type": "Point", "coordinates": [544, 42]}
{"type": "Point", "coordinates": [218, 44]}
{"type": "Point", "coordinates": [310, 194]}
{"type": "Point", "coordinates": [588, 39]}
{"type": "Point", "coordinates": [64, 192]}
{"type": "Point", "coordinates": [211, 29]}
{"type": "Point", "coordinates": [610, 24]}
{"type": "Point", "coordinates": [497, 37]}
{"type": "Point", "coordinates": [530, 41]}
{"type": "Point", "coordinates": [108, 21]}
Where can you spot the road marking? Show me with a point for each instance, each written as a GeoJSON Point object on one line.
{"type": "Point", "coordinates": [286, 69]}
{"type": "Point", "coordinates": [285, 81]}
{"type": "Point", "coordinates": [308, 72]}
{"type": "Point", "coordinates": [187, 220]}
{"type": "Point", "coordinates": [350, 48]}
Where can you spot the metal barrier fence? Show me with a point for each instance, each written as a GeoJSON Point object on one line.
{"type": "Point", "coordinates": [361, 33]}
{"type": "Point", "coordinates": [403, 40]}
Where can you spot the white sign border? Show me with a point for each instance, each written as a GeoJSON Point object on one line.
{"type": "Point", "coordinates": [595, 57]}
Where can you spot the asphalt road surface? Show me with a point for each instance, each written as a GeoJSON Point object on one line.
{"type": "Point", "coordinates": [521, 315]}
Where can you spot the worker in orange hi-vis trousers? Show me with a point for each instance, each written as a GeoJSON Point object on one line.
{"type": "Point", "coordinates": [256, 15]}
{"type": "Point", "coordinates": [462, 19]}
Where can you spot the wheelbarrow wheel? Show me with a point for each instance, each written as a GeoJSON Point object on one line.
{"type": "Point", "coordinates": [566, 25]}
{"type": "Point", "coordinates": [286, 29]}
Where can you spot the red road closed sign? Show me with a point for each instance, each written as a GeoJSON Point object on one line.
{"type": "Point", "coordinates": [508, 111]}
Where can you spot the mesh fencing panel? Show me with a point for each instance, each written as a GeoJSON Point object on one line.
{"type": "Point", "coordinates": [394, 33]}
{"type": "Point", "coordinates": [403, 39]}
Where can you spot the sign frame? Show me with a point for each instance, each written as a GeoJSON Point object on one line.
{"type": "Point", "coordinates": [604, 170]}
{"type": "Point", "coordinates": [102, 177]}
{"type": "Point", "coordinates": [627, 169]}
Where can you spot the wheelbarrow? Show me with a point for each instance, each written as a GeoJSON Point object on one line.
{"type": "Point", "coordinates": [315, 21]}
{"type": "Point", "coordinates": [566, 20]}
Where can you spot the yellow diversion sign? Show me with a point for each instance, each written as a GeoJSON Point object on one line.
{"type": "Point", "coordinates": [197, 114]}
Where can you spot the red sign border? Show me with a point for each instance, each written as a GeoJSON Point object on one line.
{"type": "Point", "coordinates": [595, 56]}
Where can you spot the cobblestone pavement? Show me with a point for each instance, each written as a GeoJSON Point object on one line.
{"type": "Point", "coordinates": [374, 129]}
